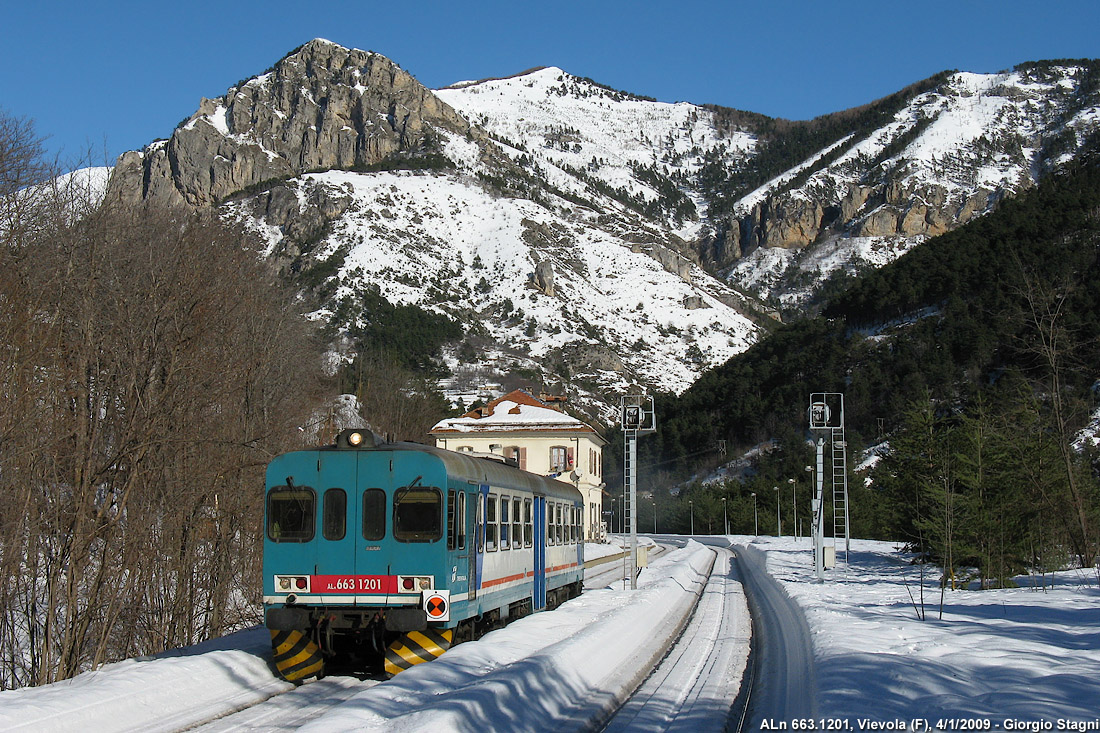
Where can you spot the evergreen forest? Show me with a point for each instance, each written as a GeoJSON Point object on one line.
{"type": "Point", "coordinates": [968, 369]}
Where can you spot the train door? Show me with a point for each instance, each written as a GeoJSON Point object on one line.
{"type": "Point", "coordinates": [478, 567]}
{"type": "Point", "coordinates": [336, 493]}
{"type": "Point", "coordinates": [459, 544]}
{"type": "Point", "coordinates": [539, 598]}
{"type": "Point", "coordinates": [473, 520]}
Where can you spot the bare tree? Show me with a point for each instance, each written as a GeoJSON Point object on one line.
{"type": "Point", "coordinates": [152, 365]}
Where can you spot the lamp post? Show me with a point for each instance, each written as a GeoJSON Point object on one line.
{"type": "Point", "coordinates": [778, 514]}
{"type": "Point", "coordinates": [725, 517]}
{"type": "Point", "coordinates": [794, 505]}
{"type": "Point", "coordinates": [755, 516]}
{"type": "Point", "coordinates": [691, 510]}
{"type": "Point", "coordinates": [654, 516]}
{"type": "Point", "coordinates": [612, 514]}
{"type": "Point", "coordinates": [810, 478]}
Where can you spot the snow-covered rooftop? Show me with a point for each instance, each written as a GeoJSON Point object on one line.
{"type": "Point", "coordinates": [514, 412]}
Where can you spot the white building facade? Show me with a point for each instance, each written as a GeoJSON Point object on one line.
{"type": "Point", "coordinates": [541, 439]}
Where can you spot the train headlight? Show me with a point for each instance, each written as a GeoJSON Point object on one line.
{"type": "Point", "coordinates": [288, 583]}
{"type": "Point", "coordinates": [414, 583]}
{"type": "Point", "coordinates": [355, 439]}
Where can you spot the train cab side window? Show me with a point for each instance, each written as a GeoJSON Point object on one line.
{"type": "Point", "coordinates": [460, 515]}
{"type": "Point", "coordinates": [417, 514]}
{"type": "Point", "coordinates": [374, 514]}
{"type": "Point", "coordinates": [452, 523]}
{"type": "Point", "coordinates": [504, 522]}
{"type": "Point", "coordinates": [528, 525]}
{"type": "Point", "coordinates": [517, 526]}
{"type": "Point", "coordinates": [334, 512]}
{"type": "Point", "coordinates": [491, 523]}
{"type": "Point", "coordinates": [291, 514]}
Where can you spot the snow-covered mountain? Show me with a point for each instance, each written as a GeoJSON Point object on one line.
{"type": "Point", "coordinates": [583, 235]}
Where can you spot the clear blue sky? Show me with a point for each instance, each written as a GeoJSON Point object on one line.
{"type": "Point", "coordinates": [112, 76]}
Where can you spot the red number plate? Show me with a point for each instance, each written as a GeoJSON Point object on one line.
{"type": "Point", "coordinates": [353, 584]}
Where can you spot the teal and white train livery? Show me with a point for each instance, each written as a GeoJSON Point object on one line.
{"type": "Point", "coordinates": [393, 552]}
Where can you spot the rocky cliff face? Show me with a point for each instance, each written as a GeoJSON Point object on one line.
{"type": "Point", "coordinates": [322, 107]}
{"type": "Point", "coordinates": [575, 228]}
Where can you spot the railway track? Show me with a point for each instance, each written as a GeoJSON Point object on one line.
{"type": "Point", "coordinates": [696, 686]}
{"type": "Point", "coordinates": [291, 710]}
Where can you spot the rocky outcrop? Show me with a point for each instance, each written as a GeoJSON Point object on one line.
{"type": "Point", "coordinates": [321, 107]}
{"type": "Point", "coordinates": [544, 277]}
{"type": "Point", "coordinates": [791, 220]}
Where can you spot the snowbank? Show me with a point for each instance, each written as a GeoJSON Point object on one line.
{"type": "Point", "coordinates": [168, 692]}
{"type": "Point", "coordinates": [998, 655]}
{"type": "Point", "coordinates": [569, 666]}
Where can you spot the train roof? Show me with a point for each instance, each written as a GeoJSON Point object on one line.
{"type": "Point", "coordinates": [479, 471]}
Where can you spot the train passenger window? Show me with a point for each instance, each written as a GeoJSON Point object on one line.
{"type": "Point", "coordinates": [417, 514]}
{"type": "Point", "coordinates": [374, 514]}
{"type": "Point", "coordinates": [334, 514]}
{"type": "Point", "coordinates": [479, 524]}
{"type": "Point", "coordinates": [504, 522]}
{"type": "Point", "coordinates": [517, 526]}
{"type": "Point", "coordinates": [558, 523]}
{"type": "Point", "coordinates": [528, 525]}
{"type": "Point", "coordinates": [491, 523]}
{"type": "Point", "coordinates": [291, 514]}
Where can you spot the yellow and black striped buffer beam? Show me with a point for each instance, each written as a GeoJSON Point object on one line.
{"type": "Point", "coordinates": [296, 656]}
{"type": "Point", "coordinates": [416, 647]}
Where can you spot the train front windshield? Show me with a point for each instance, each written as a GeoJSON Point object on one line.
{"type": "Point", "coordinates": [290, 514]}
{"type": "Point", "coordinates": [417, 514]}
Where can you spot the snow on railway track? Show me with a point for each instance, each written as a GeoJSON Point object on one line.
{"type": "Point", "coordinates": [291, 710]}
{"type": "Point", "coordinates": [696, 685]}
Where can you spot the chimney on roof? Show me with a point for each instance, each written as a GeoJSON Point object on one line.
{"type": "Point", "coordinates": [552, 400]}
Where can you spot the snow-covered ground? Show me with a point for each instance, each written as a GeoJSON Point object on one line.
{"type": "Point", "coordinates": [564, 667]}
{"type": "Point", "coordinates": [1020, 654]}
{"type": "Point", "coordinates": [1002, 656]}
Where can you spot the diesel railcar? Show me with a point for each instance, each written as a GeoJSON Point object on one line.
{"type": "Point", "coordinates": [392, 552]}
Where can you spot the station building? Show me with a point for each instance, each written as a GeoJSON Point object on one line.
{"type": "Point", "coordinates": [540, 438]}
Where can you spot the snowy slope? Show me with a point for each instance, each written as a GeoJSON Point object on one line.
{"type": "Point", "coordinates": [947, 156]}
{"type": "Point", "coordinates": [445, 243]}
{"type": "Point", "coordinates": [573, 123]}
